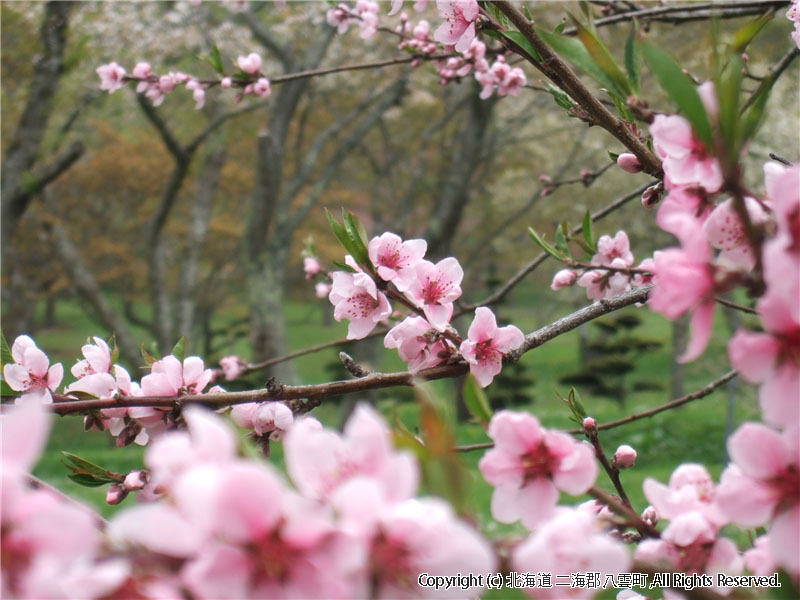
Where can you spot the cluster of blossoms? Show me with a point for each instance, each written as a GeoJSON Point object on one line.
{"type": "Point", "coordinates": [223, 526]}
{"type": "Point", "coordinates": [364, 13]}
{"type": "Point", "coordinates": [426, 339]}
{"type": "Point", "coordinates": [312, 268]}
{"type": "Point", "coordinates": [251, 80]}
{"type": "Point", "coordinates": [615, 273]}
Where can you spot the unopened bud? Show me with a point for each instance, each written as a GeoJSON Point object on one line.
{"type": "Point", "coordinates": [650, 516]}
{"type": "Point", "coordinates": [564, 278]}
{"type": "Point", "coordinates": [545, 179]}
{"type": "Point", "coordinates": [546, 192]}
{"type": "Point", "coordinates": [652, 195]}
{"type": "Point", "coordinates": [624, 457]}
{"type": "Point", "coordinates": [116, 494]}
{"type": "Point", "coordinates": [589, 424]}
{"type": "Point", "coordinates": [226, 82]}
{"type": "Point", "coordinates": [135, 480]}
{"type": "Point", "coordinates": [628, 162]}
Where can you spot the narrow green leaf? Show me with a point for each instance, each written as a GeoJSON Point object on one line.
{"type": "Point", "coordinates": [527, 11]}
{"type": "Point", "coordinates": [633, 60]}
{"type": "Point", "coordinates": [522, 42]}
{"type": "Point", "coordinates": [601, 56]}
{"type": "Point", "coordinates": [358, 245]}
{"type": "Point", "coordinates": [575, 52]}
{"type": "Point", "coordinates": [179, 351]}
{"type": "Point", "coordinates": [588, 230]}
{"type": "Point", "coordinates": [681, 89]}
{"type": "Point", "coordinates": [5, 351]}
{"type": "Point", "coordinates": [753, 115]}
{"type": "Point", "coordinates": [475, 399]}
{"type": "Point", "coordinates": [728, 86]}
{"type": "Point", "coordinates": [560, 27]}
{"type": "Point", "coordinates": [81, 465]}
{"type": "Point", "coordinates": [613, 155]}
{"type": "Point", "coordinates": [86, 480]}
{"type": "Point", "coordinates": [576, 400]}
{"type": "Point", "coordinates": [745, 34]}
{"type": "Point", "coordinates": [340, 233]}
{"type": "Point", "coordinates": [148, 358]}
{"type": "Point", "coordinates": [216, 60]}
{"type": "Point", "coordinates": [622, 107]}
{"type": "Point", "coordinates": [544, 245]}
{"type": "Point", "coordinates": [561, 239]}
{"type": "Point", "coordinates": [344, 266]}
{"type": "Point", "coordinates": [560, 96]}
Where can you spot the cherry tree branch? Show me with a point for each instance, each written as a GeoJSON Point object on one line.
{"type": "Point", "coordinates": [560, 73]}
{"type": "Point", "coordinates": [645, 529]}
{"type": "Point", "coordinates": [317, 392]}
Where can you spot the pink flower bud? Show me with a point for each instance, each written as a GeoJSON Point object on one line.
{"type": "Point", "coordinates": [135, 480]}
{"type": "Point", "coordinates": [142, 70]}
{"type": "Point", "coordinates": [625, 457]}
{"type": "Point", "coordinates": [652, 196]}
{"type": "Point", "coordinates": [250, 64]}
{"type": "Point", "coordinates": [545, 179]}
{"type": "Point", "coordinates": [322, 289]}
{"type": "Point", "coordinates": [226, 82]}
{"type": "Point", "coordinates": [650, 516]}
{"type": "Point", "coordinates": [589, 424]}
{"type": "Point", "coordinates": [628, 162]}
{"type": "Point", "coordinates": [311, 266]}
{"type": "Point", "coordinates": [116, 494]}
{"type": "Point", "coordinates": [564, 278]}
{"type": "Point", "coordinates": [586, 173]}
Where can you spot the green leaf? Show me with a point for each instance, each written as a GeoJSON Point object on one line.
{"type": "Point", "coordinates": [340, 233]}
{"type": "Point", "coordinates": [475, 399]}
{"type": "Point", "coordinates": [560, 96]}
{"type": "Point", "coordinates": [613, 155]}
{"type": "Point", "coordinates": [112, 343]}
{"type": "Point", "coordinates": [527, 11]}
{"type": "Point", "coordinates": [588, 230]}
{"type": "Point", "coordinates": [148, 358]}
{"type": "Point", "coordinates": [560, 27]}
{"type": "Point", "coordinates": [522, 42]}
{"type": "Point", "coordinates": [216, 60]}
{"type": "Point", "coordinates": [86, 480]}
{"type": "Point", "coordinates": [83, 466]}
{"type": "Point", "coordinates": [681, 89]}
{"type": "Point", "coordinates": [633, 60]}
{"type": "Point", "coordinates": [544, 245]}
{"type": "Point", "coordinates": [575, 52]}
{"type": "Point", "coordinates": [179, 351]}
{"type": "Point", "coordinates": [745, 34]}
{"type": "Point", "coordinates": [601, 56]}
{"type": "Point", "coordinates": [728, 86]}
{"type": "Point", "coordinates": [561, 239]}
{"type": "Point", "coordinates": [622, 107]}
{"type": "Point", "coordinates": [358, 244]}
{"type": "Point", "coordinates": [576, 401]}
{"type": "Point", "coordinates": [344, 266]}
{"type": "Point", "coordinates": [5, 351]}
{"type": "Point", "coordinates": [753, 115]}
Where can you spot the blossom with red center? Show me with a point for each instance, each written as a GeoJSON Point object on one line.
{"type": "Point", "coordinates": [355, 297]}
{"type": "Point", "coordinates": [772, 359]}
{"type": "Point", "coordinates": [600, 283]}
{"type": "Point", "coordinates": [459, 26]}
{"type": "Point", "coordinates": [435, 288]}
{"type": "Point", "coordinates": [685, 159]}
{"type": "Point", "coordinates": [487, 344]}
{"type": "Point", "coordinates": [572, 542]}
{"type": "Point", "coordinates": [416, 343]}
{"type": "Point", "coordinates": [725, 231]}
{"type": "Point", "coordinates": [395, 259]}
{"type": "Point", "coordinates": [763, 484]}
{"type": "Point", "coordinates": [32, 373]}
{"type": "Point", "coordinates": [529, 465]}
{"type": "Point", "coordinates": [112, 77]}
{"type": "Point", "coordinates": [609, 249]}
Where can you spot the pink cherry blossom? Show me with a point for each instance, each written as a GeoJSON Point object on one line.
{"type": "Point", "coordinates": [563, 279]}
{"type": "Point", "coordinates": [600, 283]}
{"type": "Point", "coordinates": [97, 359]}
{"type": "Point", "coordinates": [416, 344]}
{"type": "Point", "coordinates": [273, 418]}
{"type": "Point", "coordinates": [112, 77]}
{"type": "Point", "coordinates": [685, 200]}
{"type": "Point", "coordinates": [435, 289]}
{"type": "Point", "coordinates": [322, 289]}
{"type": "Point", "coordinates": [487, 344]}
{"type": "Point", "coordinates": [570, 542]}
{"type": "Point", "coordinates": [724, 230]}
{"type": "Point", "coordinates": [783, 192]}
{"type": "Point", "coordinates": [319, 461]}
{"type": "Point", "coordinates": [355, 297]}
{"type": "Point", "coordinates": [340, 17]}
{"type": "Point", "coordinates": [232, 366]}
{"type": "Point", "coordinates": [250, 64]}
{"type": "Point", "coordinates": [758, 559]}
{"type": "Point", "coordinates": [772, 359]}
{"type": "Point", "coordinates": [395, 259]}
{"type": "Point", "coordinates": [685, 159]}
{"type": "Point", "coordinates": [763, 484]}
{"type": "Point", "coordinates": [609, 249]}
{"type": "Point", "coordinates": [170, 377]}
{"type": "Point", "coordinates": [311, 266]}
{"type": "Point", "coordinates": [684, 281]}
{"type": "Point", "coordinates": [262, 88]}
{"type": "Point", "coordinates": [32, 373]}
{"type": "Point", "coordinates": [529, 465]}
{"type": "Point", "coordinates": [459, 26]}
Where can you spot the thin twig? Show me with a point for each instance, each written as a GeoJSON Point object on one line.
{"type": "Point", "coordinates": [730, 304]}
{"type": "Point", "coordinates": [645, 529]}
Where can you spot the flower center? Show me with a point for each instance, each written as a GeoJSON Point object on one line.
{"type": "Point", "coordinates": [361, 305]}
{"type": "Point", "coordinates": [538, 463]}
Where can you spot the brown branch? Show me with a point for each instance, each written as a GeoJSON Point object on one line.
{"type": "Point", "coordinates": [611, 470]}
{"type": "Point", "coordinates": [775, 72]}
{"type": "Point", "coordinates": [501, 293]}
{"type": "Point", "coordinates": [565, 77]}
{"type": "Point", "coordinates": [730, 304]}
{"type": "Point", "coordinates": [316, 392]}
{"type": "Point", "coordinates": [645, 529]}
{"type": "Point", "coordinates": [701, 393]}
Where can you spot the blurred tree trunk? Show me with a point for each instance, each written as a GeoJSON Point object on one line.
{"type": "Point", "coordinates": [454, 192]}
